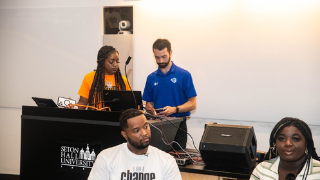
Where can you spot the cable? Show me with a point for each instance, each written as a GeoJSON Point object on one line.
{"type": "Point", "coordinates": [167, 143]}
{"type": "Point", "coordinates": [98, 109]}
{"type": "Point", "coordinates": [185, 132]}
{"type": "Point", "coordinates": [162, 118]}
{"type": "Point", "coordinates": [125, 70]}
{"type": "Point", "coordinates": [163, 135]}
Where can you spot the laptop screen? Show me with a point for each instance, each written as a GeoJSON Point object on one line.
{"type": "Point", "coordinates": [44, 102]}
{"type": "Point", "coordinates": [121, 100]}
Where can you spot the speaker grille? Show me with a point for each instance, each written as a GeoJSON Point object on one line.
{"type": "Point", "coordinates": [224, 135]}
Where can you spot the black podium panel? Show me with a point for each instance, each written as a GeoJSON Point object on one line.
{"type": "Point", "coordinates": [229, 146]}
{"type": "Point", "coordinates": [62, 144]}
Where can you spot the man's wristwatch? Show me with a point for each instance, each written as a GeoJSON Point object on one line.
{"type": "Point", "coordinates": [177, 109]}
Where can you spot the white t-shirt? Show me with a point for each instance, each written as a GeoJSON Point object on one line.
{"type": "Point", "coordinates": [119, 163]}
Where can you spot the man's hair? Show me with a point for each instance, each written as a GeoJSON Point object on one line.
{"type": "Point", "coordinates": [160, 44]}
{"type": "Point", "coordinates": [98, 84]}
{"type": "Point", "coordinates": [127, 114]}
{"type": "Point", "coordinates": [306, 132]}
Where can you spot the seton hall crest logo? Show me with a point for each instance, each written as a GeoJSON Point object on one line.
{"type": "Point", "coordinates": [77, 157]}
{"type": "Point", "coordinates": [174, 80]}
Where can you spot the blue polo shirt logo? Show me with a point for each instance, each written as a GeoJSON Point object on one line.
{"type": "Point", "coordinates": [156, 83]}
{"type": "Point", "coordinates": [174, 80]}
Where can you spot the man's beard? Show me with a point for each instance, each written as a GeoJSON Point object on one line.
{"type": "Point", "coordinates": [138, 145]}
{"type": "Point", "coordinates": [164, 65]}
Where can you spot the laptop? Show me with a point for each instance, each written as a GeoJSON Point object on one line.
{"type": "Point", "coordinates": [44, 102]}
{"type": "Point", "coordinates": [119, 100]}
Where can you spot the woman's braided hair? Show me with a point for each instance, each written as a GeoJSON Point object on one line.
{"type": "Point", "coordinates": [98, 85]}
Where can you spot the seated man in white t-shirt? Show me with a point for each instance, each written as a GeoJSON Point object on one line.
{"type": "Point", "coordinates": [136, 159]}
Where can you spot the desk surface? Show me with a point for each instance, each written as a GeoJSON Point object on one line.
{"type": "Point", "coordinates": [217, 171]}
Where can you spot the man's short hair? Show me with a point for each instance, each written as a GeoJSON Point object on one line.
{"type": "Point", "coordinates": [160, 44]}
{"type": "Point", "coordinates": [127, 114]}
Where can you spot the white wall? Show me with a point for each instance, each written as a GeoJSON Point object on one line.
{"type": "Point", "coordinates": [10, 136]}
{"type": "Point", "coordinates": [46, 48]}
{"type": "Point", "coordinates": [253, 62]}
{"type": "Point", "coordinates": [250, 60]}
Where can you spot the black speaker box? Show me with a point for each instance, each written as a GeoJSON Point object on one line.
{"type": "Point", "coordinates": [229, 146]}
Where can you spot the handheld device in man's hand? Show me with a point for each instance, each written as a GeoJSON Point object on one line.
{"type": "Point", "coordinates": [159, 110]}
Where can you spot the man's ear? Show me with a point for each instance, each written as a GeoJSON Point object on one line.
{"type": "Point", "coordinates": [124, 134]}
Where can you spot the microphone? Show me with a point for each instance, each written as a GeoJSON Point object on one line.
{"type": "Point", "coordinates": [128, 60]}
{"type": "Point", "coordinates": [290, 176]}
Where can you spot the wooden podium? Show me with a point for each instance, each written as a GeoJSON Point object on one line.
{"type": "Point", "coordinates": [62, 144]}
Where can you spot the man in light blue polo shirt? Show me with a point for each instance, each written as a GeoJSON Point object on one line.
{"type": "Point", "coordinates": [171, 88]}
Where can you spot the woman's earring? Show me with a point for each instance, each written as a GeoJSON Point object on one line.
{"type": "Point", "coordinates": [274, 149]}
{"type": "Point", "coordinates": [306, 151]}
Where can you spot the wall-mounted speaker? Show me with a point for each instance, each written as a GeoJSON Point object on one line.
{"type": "Point", "coordinates": [229, 146]}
